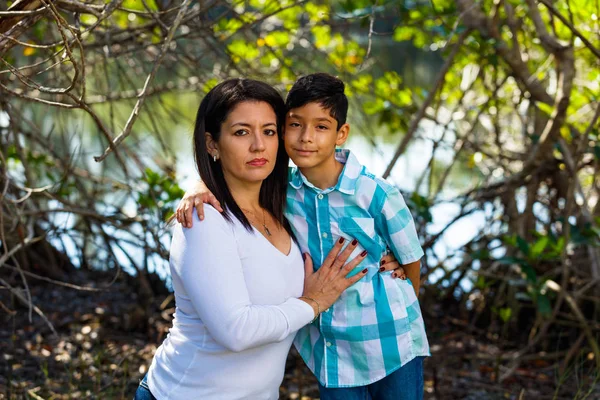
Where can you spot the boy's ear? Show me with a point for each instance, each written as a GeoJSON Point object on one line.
{"type": "Point", "coordinates": [342, 134]}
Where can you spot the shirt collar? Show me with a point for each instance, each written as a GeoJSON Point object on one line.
{"type": "Point", "coordinates": [347, 180]}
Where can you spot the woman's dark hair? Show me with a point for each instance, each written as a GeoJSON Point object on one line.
{"type": "Point", "coordinates": [213, 111]}
{"type": "Point", "coordinates": [322, 88]}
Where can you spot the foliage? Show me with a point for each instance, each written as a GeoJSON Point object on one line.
{"type": "Point", "coordinates": [510, 121]}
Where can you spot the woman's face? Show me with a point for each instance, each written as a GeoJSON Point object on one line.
{"type": "Point", "coordinates": [247, 147]}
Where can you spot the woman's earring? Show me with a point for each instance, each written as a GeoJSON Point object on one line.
{"type": "Point", "coordinates": [215, 158]}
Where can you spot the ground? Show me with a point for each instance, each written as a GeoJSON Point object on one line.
{"type": "Point", "coordinates": [105, 343]}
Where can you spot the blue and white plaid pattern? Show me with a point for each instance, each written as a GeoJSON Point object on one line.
{"type": "Point", "coordinates": [376, 326]}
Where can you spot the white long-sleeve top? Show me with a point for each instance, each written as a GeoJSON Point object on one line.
{"type": "Point", "coordinates": [236, 313]}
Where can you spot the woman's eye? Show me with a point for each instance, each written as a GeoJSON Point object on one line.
{"type": "Point", "coordinates": [241, 132]}
{"type": "Point", "coordinates": [270, 132]}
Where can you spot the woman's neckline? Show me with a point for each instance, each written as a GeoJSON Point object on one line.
{"type": "Point", "coordinates": [291, 245]}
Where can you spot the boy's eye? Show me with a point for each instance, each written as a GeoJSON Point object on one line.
{"type": "Point", "coordinates": [270, 132]}
{"type": "Point", "coordinates": [294, 124]}
{"type": "Point", "coordinates": [322, 127]}
{"type": "Point", "coordinates": [240, 132]}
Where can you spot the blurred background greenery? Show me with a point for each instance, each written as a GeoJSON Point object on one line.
{"type": "Point", "coordinates": [484, 113]}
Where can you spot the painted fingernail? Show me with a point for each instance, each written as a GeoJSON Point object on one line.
{"type": "Point", "coordinates": [382, 262]}
{"type": "Point", "coordinates": [364, 253]}
{"type": "Point", "coordinates": [354, 242]}
{"type": "Point", "coordinates": [341, 240]}
{"type": "Point", "coordinates": [364, 271]}
{"type": "Point", "coordinates": [304, 256]}
{"type": "Point", "coordinates": [394, 275]}
{"type": "Point", "coordinates": [381, 269]}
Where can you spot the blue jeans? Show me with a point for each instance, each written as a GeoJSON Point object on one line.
{"type": "Point", "coordinates": [143, 391]}
{"type": "Point", "coordinates": [406, 383]}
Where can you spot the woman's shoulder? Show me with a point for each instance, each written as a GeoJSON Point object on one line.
{"type": "Point", "coordinates": [214, 222]}
{"type": "Point", "coordinates": [211, 215]}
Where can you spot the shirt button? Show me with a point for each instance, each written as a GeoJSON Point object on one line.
{"type": "Point", "coordinates": [328, 344]}
{"type": "Point", "coordinates": [320, 197]}
{"type": "Point", "coordinates": [325, 235]}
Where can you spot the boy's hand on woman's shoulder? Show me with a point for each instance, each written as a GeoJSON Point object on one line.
{"type": "Point", "coordinates": [195, 198]}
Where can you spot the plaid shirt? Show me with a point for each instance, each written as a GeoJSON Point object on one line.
{"type": "Point", "coordinates": [376, 326]}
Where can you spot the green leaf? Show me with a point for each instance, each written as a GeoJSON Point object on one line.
{"type": "Point", "coordinates": [363, 83]}
{"type": "Point", "coordinates": [12, 152]}
{"type": "Point", "coordinates": [373, 107]}
{"type": "Point", "coordinates": [168, 214]}
{"type": "Point", "coordinates": [322, 36]}
{"type": "Point", "coordinates": [481, 254]}
{"type": "Point", "coordinates": [209, 84]}
{"type": "Point", "coordinates": [403, 33]}
{"type": "Point", "coordinates": [277, 39]}
{"type": "Point", "coordinates": [560, 245]}
{"type": "Point", "coordinates": [140, 6]}
{"type": "Point", "coordinates": [523, 245]}
{"type": "Point", "coordinates": [241, 50]}
{"type": "Point", "coordinates": [539, 246]}
{"type": "Point", "coordinates": [317, 13]}
{"type": "Point", "coordinates": [480, 283]}
{"type": "Point", "coordinates": [505, 314]}
{"type": "Point", "coordinates": [510, 240]}
{"type": "Point", "coordinates": [145, 201]}
{"type": "Point", "coordinates": [175, 192]}
{"type": "Point", "coordinates": [151, 177]}
{"type": "Point", "coordinates": [546, 108]}
{"type": "Point", "coordinates": [88, 19]}
{"type": "Point", "coordinates": [289, 17]}
{"type": "Point", "coordinates": [529, 273]}
{"type": "Point", "coordinates": [543, 305]}
{"type": "Point", "coordinates": [228, 25]}
{"type": "Point", "coordinates": [512, 260]}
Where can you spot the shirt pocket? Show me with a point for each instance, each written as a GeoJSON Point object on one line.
{"type": "Point", "coordinates": [363, 230]}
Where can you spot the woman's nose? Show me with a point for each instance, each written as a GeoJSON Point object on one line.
{"type": "Point", "coordinates": [258, 144]}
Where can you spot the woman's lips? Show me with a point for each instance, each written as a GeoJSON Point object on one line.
{"type": "Point", "coordinates": [258, 162]}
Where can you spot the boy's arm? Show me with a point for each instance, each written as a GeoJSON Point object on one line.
{"type": "Point", "coordinates": [398, 229]}
{"type": "Point", "coordinates": [195, 198]}
{"type": "Point", "coordinates": [413, 272]}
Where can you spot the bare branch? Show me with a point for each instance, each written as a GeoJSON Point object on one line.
{"type": "Point", "coordinates": [134, 114]}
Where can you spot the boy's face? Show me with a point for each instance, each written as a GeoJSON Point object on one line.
{"type": "Point", "coordinates": [311, 135]}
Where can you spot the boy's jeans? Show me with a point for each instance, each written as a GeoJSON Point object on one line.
{"type": "Point", "coordinates": [404, 384]}
{"type": "Point", "coordinates": [143, 392]}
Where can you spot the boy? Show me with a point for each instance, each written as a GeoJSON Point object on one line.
{"type": "Point", "coordinates": [371, 342]}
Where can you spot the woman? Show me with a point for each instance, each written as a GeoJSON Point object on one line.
{"type": "Point", "coordinates": [240, 287]}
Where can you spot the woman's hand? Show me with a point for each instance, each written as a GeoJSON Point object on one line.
{"type": "Point", "coordinates": [327, 284]}
{"type": "Point", "coordinates": [389, 263]}
{"type": "Point", "coordinates": [195, 198]}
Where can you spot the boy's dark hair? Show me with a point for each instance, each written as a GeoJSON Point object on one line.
{"type": "Point", "coordinates": [322, 88]}
{"type": "Point", "coordinates": [213, 111]}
